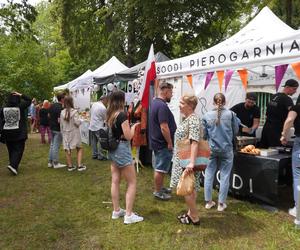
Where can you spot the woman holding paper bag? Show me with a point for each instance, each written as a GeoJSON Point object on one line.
{"type": "Point", "coordinates": [220, 127]}
{"type": "Point", "coordinates": [189, 129]}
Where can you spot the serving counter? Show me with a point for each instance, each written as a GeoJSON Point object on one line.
{"type": "Point", "coordinates": [258, 176]}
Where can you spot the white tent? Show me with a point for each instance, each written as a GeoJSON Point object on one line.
{"type": "Point", "coordinates": [262, 44]}
{"type": "Point", "coordinates": [266, 40]}
{"type": "Point", "coordinates": [77, 84]}
{"type": "Point", "coordinates": [61, 87]}
{"type": "Point", "coordinates": [112, 66]}
{"type": "Point", "coordinates": [72, 83]}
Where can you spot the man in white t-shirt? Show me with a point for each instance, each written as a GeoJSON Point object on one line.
{"type": "Point", "coordinates": [98, 117]}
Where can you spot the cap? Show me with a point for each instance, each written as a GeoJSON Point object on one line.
{"type": "Point", "coordinates": [165, 85]}
{"type": "Point", "coordinates": [251, 96]}
{"type": "Point", "coordinates": [291, 83]}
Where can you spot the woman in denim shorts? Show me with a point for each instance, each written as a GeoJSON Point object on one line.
{"type": "Point", "coordinates": [122, 163]}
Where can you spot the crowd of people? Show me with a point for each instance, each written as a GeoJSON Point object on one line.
{"type": "Point", "coordinates": [218, 127]}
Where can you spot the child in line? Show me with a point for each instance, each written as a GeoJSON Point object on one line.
{"type": "Point", "coordinates": [69, 127]}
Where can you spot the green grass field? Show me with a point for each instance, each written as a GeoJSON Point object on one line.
{"type": "Point", "coordinates": [44, 208]}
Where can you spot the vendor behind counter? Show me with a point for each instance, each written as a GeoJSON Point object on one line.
{"type": "Point", "coordinates": [249, 114]}
{"type": "Point", "coordinates": [277, 111]}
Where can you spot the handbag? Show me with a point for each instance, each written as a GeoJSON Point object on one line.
{"type": "Point", "coordinates": [186, 184]}
{"type": "Point", "coordinates": [183, 149]}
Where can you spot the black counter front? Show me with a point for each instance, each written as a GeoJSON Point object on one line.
{"type": "Point", "coordinates": [258, 176]}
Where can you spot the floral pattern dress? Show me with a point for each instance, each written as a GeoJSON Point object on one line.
{"type": "Point", "coordinates": [191, 127]}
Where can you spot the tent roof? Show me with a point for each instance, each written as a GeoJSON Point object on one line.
{"type": "Point", "coordinates": [61, 87]}
{"type": "Point", "coordinates": [265, 40]}
{"type": "Point", "coordinates": [73, 82]}
{"type": "Point", "coordinates": [112, 66]}
{"type": "Point", "coordinates": [129, 73]}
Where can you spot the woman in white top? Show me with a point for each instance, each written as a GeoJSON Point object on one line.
{"type": "Point", "coordinates": [69, 127]}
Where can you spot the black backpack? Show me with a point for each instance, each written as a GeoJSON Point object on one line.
{"type": "Point", "coordinates": [107, 139]}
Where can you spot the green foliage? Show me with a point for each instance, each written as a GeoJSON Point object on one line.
{"type": "Point", "coordinates": [17, 18]}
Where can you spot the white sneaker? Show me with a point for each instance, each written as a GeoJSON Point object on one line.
{"type": "Point", "coordinates": [59, 165]}
{"type": "Point", "coordinates": [209, 205]}
{"type": "Point", "coordinates": [11, 169]}
{"type": "Point", "coordinates": [81, 168]}
{"type": "Point", "coordinates": [118, 214]}
{"type": "Point", "coordinates": [50, 165]}
{"type": "Point", "coordinates": [221, 208]}
{"type": "Point", "coordinates": [133, 218]}
{"type": "Point", "coordinates": [293, 211]}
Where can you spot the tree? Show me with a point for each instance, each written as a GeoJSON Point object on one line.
{"type": "Point", "coordinates": [16, 18]}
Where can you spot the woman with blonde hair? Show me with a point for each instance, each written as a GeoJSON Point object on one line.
{"type": "Point", "coordinates": [44, 122]}
{"type": "Point", "coordinates": [122, 162]}
{"type": "Point", "coordinates": [190, 128]}
{"type": "Point", "coordinates": [220, 127]}
{"type": "Point", "coordinates": [69, 127]}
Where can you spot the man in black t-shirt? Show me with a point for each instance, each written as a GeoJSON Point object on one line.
{"type": "Point", "coordinates": [249, 114]}
{"type": "Point", "coordinates": [54, 115]}
{"type": "Point", "coordinates": [277, 111]}
{"type": "Point", "coordinates": [293, 119]}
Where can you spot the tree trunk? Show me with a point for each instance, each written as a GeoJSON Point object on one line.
{"type": "Point", "coordinates": [289, 10]}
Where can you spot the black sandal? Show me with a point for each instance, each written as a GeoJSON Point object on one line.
{"type": "Point", "coordinates": [186, 219]}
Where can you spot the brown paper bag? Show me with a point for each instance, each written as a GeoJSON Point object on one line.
{"type": "Point", "coordinates": [186, 184]}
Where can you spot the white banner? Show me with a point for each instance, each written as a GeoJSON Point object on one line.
{"type": "Point", "coordinates": [275, 53]}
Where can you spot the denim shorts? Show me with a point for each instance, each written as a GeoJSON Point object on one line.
{"type": "Point", "coordinates": [163, 158]}
{"type": "Point", "coordinates": [122, 156]}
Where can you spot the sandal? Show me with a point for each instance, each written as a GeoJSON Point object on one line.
{"type": "Point", "coordinates": [186, 219]}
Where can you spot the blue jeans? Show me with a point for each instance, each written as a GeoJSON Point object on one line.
{"type": "Point", "coordinates": [96, 147]}
{"type": "Point", "coordinates": [54, 146]}
{"type": "Point", "coordinates": [224, 162]}
{"type": "Point", "coordinates": [296, 167]}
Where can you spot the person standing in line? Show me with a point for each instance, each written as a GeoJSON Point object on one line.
{"type": "Point", "coordinates": [277, 111]}
{"type": "Point", "coordinates": [44, 122]}
{"type": "Point", "coordinates": [220, 126]}
{"type": "Point", "coordinates": [121, 157]}
{"type": "Point", "coordinates": [293, 119]}
{"type": "Point", "coordinates": [54, 120]}
{"type": "Point", "coordinates": [162, 128]}
{"type": "Point", "coordinates": [98, 117]}
{"type": "Point", "coordinates": [69, 127]}
{"type": "Point", "coordinates": [14, 131]}
{"type": "Point", "coordinates": [191, 129]}
{"type": "Point", "coordinates": [249, 114]}
{"type": "Point", "coordinates": [32, 111]}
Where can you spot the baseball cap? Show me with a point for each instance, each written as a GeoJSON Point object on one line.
{"type": "Point", "coordinates": [291, 83]}
{"type": "Point", "coordinates": [251, 96]}
{"type": "Point", "coordinates": [164, 84]}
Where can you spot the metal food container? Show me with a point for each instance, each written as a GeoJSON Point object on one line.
{"type": "Point", "coordinates": [242, 141]}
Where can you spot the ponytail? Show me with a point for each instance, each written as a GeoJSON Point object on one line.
{"type": "Point", "coordinates": [219, 100]}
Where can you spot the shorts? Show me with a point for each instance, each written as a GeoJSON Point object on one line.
{"type": "Point", "coordinates": [163, 158]}
{"type": "Point", "coordinates": [122, 156]}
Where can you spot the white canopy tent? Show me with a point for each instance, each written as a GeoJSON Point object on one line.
{"type": "Point", "coordinates": [75, 84]}
{"type": "Point", "coordinates": [112, 66]}
{"type": "Point", "coordinates": [266, 40]}
{"type": "Point", "coordinates": [262, 44]}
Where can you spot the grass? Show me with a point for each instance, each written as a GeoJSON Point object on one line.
{"type": "Point", "coordinates": [46, 208]}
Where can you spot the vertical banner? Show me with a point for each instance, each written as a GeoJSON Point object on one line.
{"type": "Point", "coordinates": [244, 77]}
{"type": "Point", "coordinates": [296, 68]}
{"type": "Point", "coordinates": [190, 80]}
{"type": "Point", "coordinates": [209, 76]}
{"type": "Point", "coordinates": [279, 73]}
{"type": "Point", "coordinates": [228, 75]}
{"type": "Point", "coordinates": [220, 75]}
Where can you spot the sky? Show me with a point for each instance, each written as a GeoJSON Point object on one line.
{"type": "Point", "coordinates": [32, 2]}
